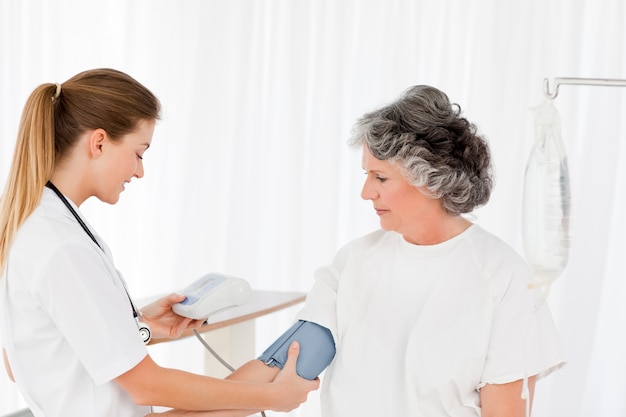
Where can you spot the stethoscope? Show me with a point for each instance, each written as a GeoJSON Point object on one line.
{"type": "Point", "coordinates": [144, 329]}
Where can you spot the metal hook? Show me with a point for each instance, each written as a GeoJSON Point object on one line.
{"type": "Point", "coordinates": [546, 89]}
{"type": "Point", "coordinates": [578, 81]}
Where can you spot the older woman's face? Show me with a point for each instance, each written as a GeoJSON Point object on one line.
{"type": "Point", "coordinates": [401, 206]}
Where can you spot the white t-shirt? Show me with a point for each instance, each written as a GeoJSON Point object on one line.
{"type": "Point", "coordinates": [420, 329]}
{"type": "Point", "coordinates": [67, 323]}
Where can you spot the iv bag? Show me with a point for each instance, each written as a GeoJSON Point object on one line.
{"type": "Point", "coordinates": [547, 201]}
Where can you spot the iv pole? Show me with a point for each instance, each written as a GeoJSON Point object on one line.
{"type": "Point", "coordinates": [563, 180]}
{"type": "Point", "coordinates": [579, 81]}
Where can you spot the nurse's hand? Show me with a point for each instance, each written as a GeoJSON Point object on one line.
{"type": "Point", "coordinates": [288, 389]}
{"type": "Point", "coordinates": [163, 322]}
{"type": "Point", "coordinates": [292, 386]}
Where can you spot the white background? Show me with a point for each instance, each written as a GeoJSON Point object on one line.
{"type": "Point", "coordinates": [249, 172]}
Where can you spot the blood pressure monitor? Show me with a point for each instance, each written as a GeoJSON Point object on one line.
{"type": "Point", "coordinates": [212, 293]}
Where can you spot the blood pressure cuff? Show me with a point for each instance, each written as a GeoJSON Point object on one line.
{"type": "Point", "coordinates": [317, 349]}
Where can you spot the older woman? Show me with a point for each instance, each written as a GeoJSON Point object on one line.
{"type": "Point", "coordinates": [431, 316]}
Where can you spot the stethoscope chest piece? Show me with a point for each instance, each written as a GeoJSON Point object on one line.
{"type": "Point", "coordinates": [144, 332]}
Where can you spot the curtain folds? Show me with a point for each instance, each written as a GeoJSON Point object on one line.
{"type": "Point", "coordinates": [250, 174]}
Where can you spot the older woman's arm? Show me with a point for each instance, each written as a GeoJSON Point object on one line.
{"type": "Point", "coordinates": [505, 400]}
{"type": "Point", "coordinates": [7, 366]}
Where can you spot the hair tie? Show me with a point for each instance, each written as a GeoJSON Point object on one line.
{"type": "Point", "coordinates": [57, 93]}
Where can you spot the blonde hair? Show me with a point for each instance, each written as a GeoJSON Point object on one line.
{"type": "Point", "coordinates": [53, 118]}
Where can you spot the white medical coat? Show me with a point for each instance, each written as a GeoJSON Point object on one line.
{"type": "Point", "coordinates": [420, 329]}
{"type": "Point", "coordinates": [67, 323]}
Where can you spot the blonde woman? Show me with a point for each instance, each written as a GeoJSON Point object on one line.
{"type": "Point", "coordinates": [80, 139]}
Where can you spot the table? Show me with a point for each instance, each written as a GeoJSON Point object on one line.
{"type": "Point", "coordinates": [232, 332]}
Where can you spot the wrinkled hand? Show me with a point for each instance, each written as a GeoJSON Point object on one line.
{"type": "Point", "coordinates": [163, 322]}
{"type": "Point", "coordinates": [293, 389]}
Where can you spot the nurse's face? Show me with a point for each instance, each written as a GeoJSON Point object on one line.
{"type": "Point", "coordinates": [401, 206]}
{"type": "Point", "coordinates": [124, 161]}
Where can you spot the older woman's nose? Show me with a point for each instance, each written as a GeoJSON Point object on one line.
{"type": "Point", "coordinates": [368, 192]}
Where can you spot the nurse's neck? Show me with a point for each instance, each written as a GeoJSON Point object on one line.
{"type": "Point", "coordinates": [72, 180]}
{"type": "Point", "coordinates": [76, 173]}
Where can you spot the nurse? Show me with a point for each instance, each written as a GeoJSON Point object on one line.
{"type": "Point", "coordinates": [431, 315]}
{"type": "Point", "coordinates": [87, 138]}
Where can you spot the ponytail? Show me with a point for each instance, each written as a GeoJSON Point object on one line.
{"type": "Point", "coordinates": [54, 117]}
{"type": "Point", "coordinates": [32, 165]}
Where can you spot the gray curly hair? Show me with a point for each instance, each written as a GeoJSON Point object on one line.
{"type": "Point", "coordinates": [425, 135]}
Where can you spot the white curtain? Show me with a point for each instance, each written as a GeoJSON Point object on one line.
{"type": "Point", "coordinates": [249, 173]}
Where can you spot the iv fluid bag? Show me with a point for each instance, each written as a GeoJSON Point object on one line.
{"type": "Point", "coordinates": [547, 199]}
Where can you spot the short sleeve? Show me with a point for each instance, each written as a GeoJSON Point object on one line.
{"type": "Point", "coordinates": [87, 302]}
{"type": "Point", "coordinates": [524, 340]}
{"type": "Point", "coordinates": [321, 301]}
